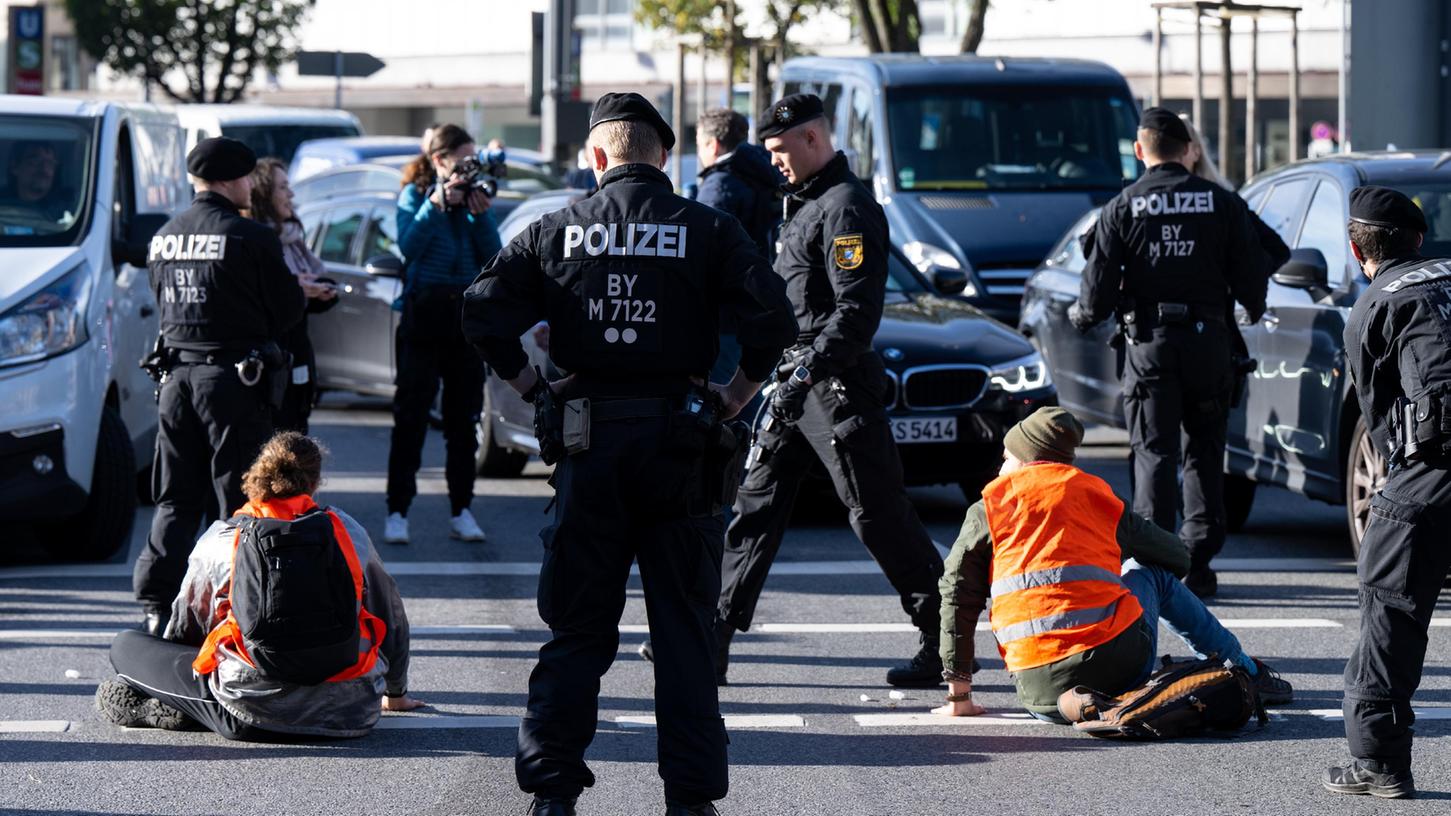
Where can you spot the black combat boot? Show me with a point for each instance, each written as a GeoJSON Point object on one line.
{"type": "Point", "coordinates": [154, 620]}
{"type": "Point", "coordinates": [924, 670]}
{"type": "Point", "coordinates": [1358, 778]}
{"type": "Point", "coordinates": [122, 705]}
{"type": "Point", "coordinates": [703, 809]}
{"type": "Point", "coordinates": [551, 807]}
{"type": "Point", "coordinates": [1202, 581]}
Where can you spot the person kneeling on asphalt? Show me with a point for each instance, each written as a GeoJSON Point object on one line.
{"type": "Point", "coordinates": [235, 658]}
{"type": "Point", "coordinates": [1077, 581]}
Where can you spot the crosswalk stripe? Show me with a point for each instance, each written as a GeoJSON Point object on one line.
{"type": "Point", "coordinates": [731, 721]}
{"type": "Point", "coordinates": [526, 569]}
{"type": "Point", "coordinates": [33, 726]}
{"type": "Point", "coordinates": [829, 628]}
{"type": "Point", "coordinates": [1421, 713]}
{"type": "Point", "coordinates": [924, 719]}
{"type": "Point", "coordinates": [462, 629]}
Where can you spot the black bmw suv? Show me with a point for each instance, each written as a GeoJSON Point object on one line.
{"type": "Point", "coordinates": [1299, 426]}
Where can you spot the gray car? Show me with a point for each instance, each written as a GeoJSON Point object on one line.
{"type": "Point", "coordinates": [352, 228]}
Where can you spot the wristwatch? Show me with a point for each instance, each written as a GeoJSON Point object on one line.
{"type": "Point", "coordinates": [802, 374]}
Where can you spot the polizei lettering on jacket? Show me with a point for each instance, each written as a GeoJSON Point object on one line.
{"type": "Point", "coordinates": [188, 248]}
{"type": "Point", "coordinates": [645, 240]}
{"type": "Point", "coordinates": [1171, 204]}
{"type": "Point", "coordinates": [1426, 274]}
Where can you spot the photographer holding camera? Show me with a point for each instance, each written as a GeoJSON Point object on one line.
{"type": "Point", "coordinates": [446, 234]}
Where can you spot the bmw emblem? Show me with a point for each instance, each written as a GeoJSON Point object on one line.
{"type": "Point", "coordinates": [894, 355]}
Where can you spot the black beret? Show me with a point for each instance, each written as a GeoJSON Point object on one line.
{"type": "Point", "coordinates": [1386, 208]}
{"type": "Point", "coordinates": [631, 107]}
{"type": "Point", "coordinates": [1166, 122]}
{"type": "Point", "coordinates": [787, 113]}
{"type": "Point", "coordinates": [220, 159]}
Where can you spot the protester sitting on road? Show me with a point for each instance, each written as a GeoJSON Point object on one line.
{"type": "Point", "coordinates": [235, 659]}
{"type": "Point", "coordinates": [272, 205]}
{"type": "Point", "coordinates": [1078, 582]}
{"type": "Point", "coordinates": [446, 235]}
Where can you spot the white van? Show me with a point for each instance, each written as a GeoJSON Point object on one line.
{"type": "Point", "coordinates": [83, 187]}
{"type": "Point", "coordinates": [269, 130]}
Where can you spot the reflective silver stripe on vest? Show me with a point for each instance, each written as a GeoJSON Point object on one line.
{"type": "Point", "coordinates": [1053, 575]}
{"type": "Point", "coordinates": [1052, 623]}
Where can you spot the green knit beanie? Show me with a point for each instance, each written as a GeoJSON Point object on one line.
{"type": "Point", "coordinates": [1050, 434]}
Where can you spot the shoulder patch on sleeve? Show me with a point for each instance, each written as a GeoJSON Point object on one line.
{"type": "Point", "coordinates": [847, 251]}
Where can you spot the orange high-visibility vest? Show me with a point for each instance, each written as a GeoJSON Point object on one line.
{"type": "Point", "coordinates": [1056, 589]}
{"type": "Point", "coordinates": [371, 629]}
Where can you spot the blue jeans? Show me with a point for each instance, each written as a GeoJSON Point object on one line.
{"type": "Point", "coordinates": [1162, 596]}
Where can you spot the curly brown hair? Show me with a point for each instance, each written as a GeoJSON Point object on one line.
{"type": "Point", "coordinates": [446, 139]}
{"type": "Point", "coordinates": [263, 186]}
{"type": "Point", "coordinates": [289, 465]}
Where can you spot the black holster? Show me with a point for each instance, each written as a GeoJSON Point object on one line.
{"type": "Point", "coordinates": [157, 364]}
{"type": "Point", "coordinates": [276, 373]}
{"type": "Point", "coordinates": [722, 468]}
{"type": "Point", "coordinates": [548, 422]}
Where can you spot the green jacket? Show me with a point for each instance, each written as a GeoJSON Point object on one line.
{"type": "Point", "coordinates": [1113, 665]}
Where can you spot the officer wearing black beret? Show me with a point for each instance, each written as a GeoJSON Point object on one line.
{"type": "Point", "coordinates": [633, 281]}
{"type": "Point", "coordinates": [225, 297]}
{"type": "Point", "coordinates": [827, 398]}
{"type": "Point", "coordinates": [1168, 256]}
{"type": "Point", "coordinates": [1396, 351]}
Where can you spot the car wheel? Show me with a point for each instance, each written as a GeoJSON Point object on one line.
{"type": "Point", "coordinates": [1239, 499]}
{"type": "Point", "coordinates": [104, 525]}
{"type": "Point", "coordinates": [1365, 474]}
{"type": "Point", "coordinates": [492, 459]}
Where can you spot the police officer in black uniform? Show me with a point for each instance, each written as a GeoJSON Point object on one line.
{"type": "Point", "coordinates": [828, 402]}
{"type": "Point", "coordinates": [1168, 255]}
{"type": "Point", "coordinates": [225, 297]}
{"type": "Point", "coordinates": [632, 281]}
{"type": "Point", "coordinates": [1397, 353]}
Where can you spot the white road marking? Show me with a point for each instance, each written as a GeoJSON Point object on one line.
{"type": "Point", "coordinates": [1280, 623]}
{"type": "Point", "coordinates": [34, 726]}
{"type": "Point", "coordinates": [56, 634]}
{"type": "Point", "coordinates": [1284, 564]}
{"type": "Point", "coordinates": [421, 722]}
{"type": "Point", "coordinates": [731, 721]}
{"type": "Point", "coordinates": [829, 628]}
{"type": "Point", "coordinates": [462, 629]}
{"type": "Point", "coordinates": [1421, 713]}
{"type": "Point", "coordinates": [923, 719]}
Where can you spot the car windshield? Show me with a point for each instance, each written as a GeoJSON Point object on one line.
{"type": "Point", "coordinates": [1434, 199]}
{"type": "Point", "coordinates": [281, 141]}
{"type": "Point", "coordinates": [1011, 138]}
{"type": "Point", "coordinates": [48, 163]}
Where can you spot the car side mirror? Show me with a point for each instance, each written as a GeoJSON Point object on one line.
{"type": "Point", "coordinates": [132, 248]}
{"type": "Point", "coordinates": [1306, 270]}
{"type": "Point", "coordinates": [949, 281]}
{"type": "Point", "coordinates": [385, 265]}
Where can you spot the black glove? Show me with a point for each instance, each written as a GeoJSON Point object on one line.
{"type": "Point", "coordinates": [1080, 318]}
{"type": "Point", "coordinates": [789, 399]}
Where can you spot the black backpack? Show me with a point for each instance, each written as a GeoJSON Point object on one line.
{"type": "Point", "coordinates": [1182, 699]}
{"type": "Point", "coordinates": [293, 598]}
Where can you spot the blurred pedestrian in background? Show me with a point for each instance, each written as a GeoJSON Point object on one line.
{"type": "Point", "coordinates": [272, 205]}
{"type": "Point", "coordinates": [446, 235]}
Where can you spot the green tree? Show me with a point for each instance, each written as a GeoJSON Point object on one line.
{"type": "Point", "coordinates": [889, 25]}
{"type": "Point", "coordinates": [193, 50]}
{"type": "Point", "coordinates": [710, 20]}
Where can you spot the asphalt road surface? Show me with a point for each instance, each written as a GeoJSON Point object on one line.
{"type": "Point", "coordinates": [813, 729]}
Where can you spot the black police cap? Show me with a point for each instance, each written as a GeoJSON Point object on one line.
{"type": "Point", "coordinates": [787, 113]}
{"type": "Point", "coordinates": [220, 159]}
{"type": "Point", "coordinates": [1385, 208]}
{"type": "Point", "coordinates": [631, 107]}
{"type": "Point", "coordinates": [1166, 122]}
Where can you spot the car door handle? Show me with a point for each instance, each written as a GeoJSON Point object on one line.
{"type": "Point", "coordinates": [1270, 319]}
{"type": "Point", "coordinates": [148, 310]}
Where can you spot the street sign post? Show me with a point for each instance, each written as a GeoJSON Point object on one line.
{"type": "Point", "coordinates": [338, 64]}
{"type": "Point", "coordinates": [27, 50]}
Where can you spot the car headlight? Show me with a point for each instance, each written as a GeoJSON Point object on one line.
{"type": "Point", "coordinates": [1023, 374]}
{"type": "Point", "coordinates": [927, 257]}
{"type": "Point", "coordinates": [50, 322]}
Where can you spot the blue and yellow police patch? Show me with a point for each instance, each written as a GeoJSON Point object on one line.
{"type": "Point", "coordinates": [847, 251]}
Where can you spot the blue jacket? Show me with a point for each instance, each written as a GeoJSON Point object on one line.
{"type": "Point", "coordinates": [442, 248]}
{"type": "Point", "coordinates": [743, 183]}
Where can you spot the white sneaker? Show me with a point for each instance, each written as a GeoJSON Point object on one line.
{"type": "Point", "coordinates": [395, 530]}
{"type": "Point", "coordinates": [464, 528]}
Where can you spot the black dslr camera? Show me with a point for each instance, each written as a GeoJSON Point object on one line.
{"type": "Point", "coordinates": [482, 174]}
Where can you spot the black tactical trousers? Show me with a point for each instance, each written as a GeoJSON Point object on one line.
{"type": "Point", "coordinates": [210, 429]}
{"type": "Point", "coordinates": [431, 349]}
{"type": "Point", "coordinates": [621, 501]}
{"type": "Point", "coordinates": [1404, 559]}
{"type": "Point", "coordinates": [844, 425]}
{"type": "Point", "coordinates": [162, 669]}
{"type": "Point", "coordinates": [1179, 378]}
